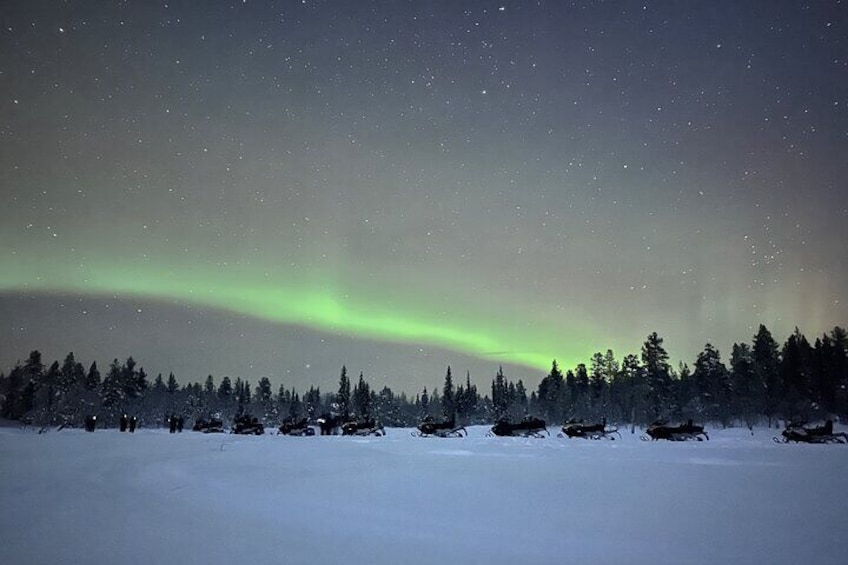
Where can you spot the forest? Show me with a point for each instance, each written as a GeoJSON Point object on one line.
{"type": "Point", "coordinates": [763, 383]}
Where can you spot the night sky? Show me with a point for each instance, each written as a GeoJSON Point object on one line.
{"type": "Point", "coordinates": [279, 188]}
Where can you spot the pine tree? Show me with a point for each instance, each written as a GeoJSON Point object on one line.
{"type": "Point", "coordinates": [766, 362]}
{"type": "Point", "coordinates": [362, 398]}
{"type": "Point", "coordinates": [795, 368]}
{"type": "Point", "coordinates": [658, 375]}
{"type": "Point", "coordinates": [448, 400]}
{"type": "Point", "coordinates": [172, 386]}
{"type": "Point", "coordinates": [712, 385]}
{"type": "Point", "coordinates": [343, 398]}
{"type": "Point", "coordinates": [14, 405]}
{"type": "Point", "coordinates": [48, 391]}
{"type": "Point", "coordinates": [265, 399]}
{"type": "Point", "coordinates": [550, 394]}
{"type": "Point", "coordinates": [112, 391]}
{"type": "Point", "coordinates": [424, 404]}
{"type": "Point", "coordinates": [92, 378]}
{"type": "Point", "coordinates": [598, 393]}
{"type": "Point", "coordinates": [580, 402]}
{"type": "Point", "coordinates": [500, 400]}
{"type": "Point", "coordinates": [312, 401]}
{"type": "Point", "coordinates": [748, 391]}
{"type": "Point", "coordinates": [520, 405]}
{"type": "Point", "coordinates": [69, 374]}
{"type": "Point", "coordinates": [33, 369]}
{"type": "Point", "coordinates": [837, 370]}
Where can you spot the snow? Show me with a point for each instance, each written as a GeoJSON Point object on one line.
{"type": "Point", "coordinates": [153, 497]}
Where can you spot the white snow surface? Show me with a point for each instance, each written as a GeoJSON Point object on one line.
{"type": "Point", "coordinates": [153, 497]}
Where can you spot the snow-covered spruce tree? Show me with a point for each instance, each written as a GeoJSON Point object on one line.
{"type": "Point", "coordinates": [343, 397]}
{"type": "Point", "coordinates": [829, 385]}
{"type": "Point", "coordinates": [550, 395]}
{"type": "Point", "coordinates": [580, 400]}
{"type": "Point", "coordinates": [658, 375]}
{"type": "Point", "coordinates": [362, 399]}
{"type": "Point", "coordinates": [312, 402]}
{"type": "Point", "coordinates": [423, 404]}
{"type": "Point", "coordinates": [795, 375]}
{"type": "Point", "coordinates": [19, 394]}
{"type": "Point", "coordinates": [500, 400]}
{"type": "Point", "coordinates": [712, 386]}
{"type": "Point", "coordinates": [520, 404]}
{"type": "Point", "coordinates": [747, 388]}
{"type": "Point", "coordinates": [226, 400]}
{"type": "Point", "coordinates": [448, 400]}
{"type": "Point", "coordinates": [767, 365]}
{"type": "Point", "coordinates": [263, 401]}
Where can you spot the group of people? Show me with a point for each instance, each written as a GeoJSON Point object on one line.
{"type": "Point", "coordinates": [175, 424]}
{"type": "Point", "coordinates": [128, 423]}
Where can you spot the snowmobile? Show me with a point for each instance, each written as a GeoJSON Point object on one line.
{"type": "Point", "coordinates": [575, 429]}
{"type": "Point", "coordinates": [292, 427]}
{"type": "Point", "coordinates": [363, 428]}
{"type": "Point", "coordinates": [444, 428]}
{"type": "Point", "coordinates": [683, 432]}
{"type": "Point", "coordinates": [528, 427]}
{"type": "Point", "coordinates": [247, 425]}
{"type": "Point", "coordinates": [210, 426]}
{"type": "Point", "coordinates": [798, 433]}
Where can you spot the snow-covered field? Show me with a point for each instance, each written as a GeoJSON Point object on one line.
{"type": "Point", "coordinates": [151, 497]}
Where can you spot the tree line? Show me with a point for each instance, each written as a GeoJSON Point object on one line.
{"type": "Point", "coordinates": [763, 383]}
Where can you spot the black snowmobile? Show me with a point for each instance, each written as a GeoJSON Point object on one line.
{"type": "Point", "coordinates": [210, 426]}
{"type": "Point", "coordinates": [247, 425]}
{"type": "Point", "coordinates": [528, 427]}
{"type": "Point", "coordinates": [799, 433]}
{"type": "Point", "coordinates": [429, 427]}
{"type": "Point", "coordinates": [293, 427]}
{"type": "Point", "coordinates": [369, 427]}
{"type": "Point", "coordinates": [683, 432]}
{"type": "Point", "coordinates": [575, 429]}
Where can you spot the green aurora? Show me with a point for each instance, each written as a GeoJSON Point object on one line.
{"type": "Point", "coordinates": [486, 336]}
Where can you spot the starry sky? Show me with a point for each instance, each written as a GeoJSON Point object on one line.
{"type": "Point", "coordinates": [276, 189]}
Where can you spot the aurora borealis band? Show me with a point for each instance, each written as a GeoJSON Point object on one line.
{"type": "Point", "coordinates": [279, 188]}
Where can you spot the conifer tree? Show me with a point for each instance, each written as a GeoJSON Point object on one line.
{"type": "Point", "coordinates": [448, 400]}
{"type": "Point", "coordinates": [92, 378]}
{"type": "Point", "coordinates": [748, 391]}
{"type": "Point", "coordinates": [500, 400]}
{"type": "Point", "coordinates": [795, 376]}
{"type": "Point", "coordinates": [766, 362]}
{"type": "Point", "coordinates": [343, 398]}
{"type": "Point", "coordinates": [172, 386]}
{"type": "Point", "coordinates": [658, 375]}
{"type": "Point", "coordinates": [362, 398]}
{"type": "Point", "coordinates": [550, 394]}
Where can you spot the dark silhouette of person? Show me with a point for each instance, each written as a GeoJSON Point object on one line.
{"type": "Point", "coordinates": [133, 423]}
{"type": "Point", "coordinates": [180, 424]}
{"type": "Point", "coordinates": [172, 424]}
{"type": "Point", "coordinates": [123, 423]}
{"type": "Point", "coordinates": [90, 423]}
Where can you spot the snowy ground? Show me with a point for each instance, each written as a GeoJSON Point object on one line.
{"type": "Point", "coordinates": [107, 497]}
